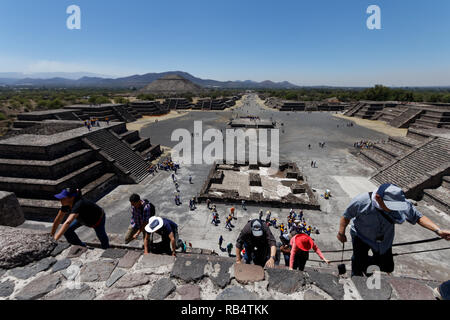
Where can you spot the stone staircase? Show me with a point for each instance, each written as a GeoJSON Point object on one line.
{"type": "Point", "coordinates": [420, 168]}
{"type": "Point", "coordinates": [353, 110]}
{"type": "Point", "coordinates": [406, 118]}
{"type": "Point", "coordinates": [123, 113]}
{"type": "Point", "coordinates": [121, 152]}
{"type": "Point", "coordinates": [439, 197]}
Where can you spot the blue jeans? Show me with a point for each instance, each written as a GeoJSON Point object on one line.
{"type": "Point", "coordinates": [100, 231]}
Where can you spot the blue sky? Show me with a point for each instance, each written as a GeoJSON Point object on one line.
{"type": "Point", "coordinates": [302, 41]}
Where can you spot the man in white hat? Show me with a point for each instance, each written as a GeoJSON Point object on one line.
{"type": "Point", "coordinates": [373, 217]}
{"type": "Point", "coordinates": [168, 230]}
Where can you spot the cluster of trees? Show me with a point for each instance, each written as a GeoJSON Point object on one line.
{"type": "Point", "coordinates": [30, 99]}
{"type": "Point", "coordinates": [377, 93]}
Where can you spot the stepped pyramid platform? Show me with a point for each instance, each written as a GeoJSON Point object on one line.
{"type": "Point", "coordinates": [148, 108]}
{"type": "Point", "coordinates": [39, 164]}
{"type": "Point", "coordinates": [258, 184]}
{"type": "Point", "coordinates": [422, 167]}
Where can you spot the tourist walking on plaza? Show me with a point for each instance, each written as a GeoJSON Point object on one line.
{"type": "Point", "coordinates": [259, 244]}
{"type": "Point", "coordinates": [82, 212]}
{"type": "Point", "coordinates": [301, 244]}
{"type": "Point", "coordinates": [141, 212]}
{"type": "Point", "coordinates": [168, 230]}
{"type": "Point", "coordinates": [373, 216]}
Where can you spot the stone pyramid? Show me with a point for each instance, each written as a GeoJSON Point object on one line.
{"type": "Point", "coordinates": [172, 84]}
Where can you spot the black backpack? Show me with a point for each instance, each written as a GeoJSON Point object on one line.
{"type": "Point", "coordinates": [152, 208]}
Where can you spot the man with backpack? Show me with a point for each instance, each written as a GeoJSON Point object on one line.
{"type": "Point", "coordinates": [374, 216]}
{"type": "Point", "coordinates": [141, 212]}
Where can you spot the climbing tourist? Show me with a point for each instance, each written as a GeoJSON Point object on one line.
{"type": "Point", "coordinates": [259, 243]}
{"type": "Point", "coordinates": [220, 241]}
{"type": "Point", "coordinates": [374, 216]}
{"type": "Point", "coordinates": [82, 212]}
{"type": "Point", "coordinates": [141, 211]}
{"type": "Point", "coordinates": [168, 230]}
{"type": "Point", "coordinates": [301, 244]}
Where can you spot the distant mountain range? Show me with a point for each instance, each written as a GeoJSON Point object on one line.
{"type": "Point", "coordinates": [138, 81]}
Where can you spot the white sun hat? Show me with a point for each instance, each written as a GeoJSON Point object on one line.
{"type": "Point", "coordinates": [154, 224]}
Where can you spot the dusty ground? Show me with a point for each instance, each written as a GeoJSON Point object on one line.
{"type": "Point", "coordinates": [376, 125]}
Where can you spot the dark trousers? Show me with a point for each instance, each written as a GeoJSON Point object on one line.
{"type": "Point", "coordinates": [300, 260]}
{"type": "Point", "coordinates": [361, 260]}
{"type": "Point", "coordinates": [164, 247]}
{"type": "Point", "coordinates": [258, 257]}
{"type": "Point", "coordinates": [100, 231]}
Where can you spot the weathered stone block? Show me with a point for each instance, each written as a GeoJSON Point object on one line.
{"type": "Point", "coordinates": [246, 273]}
{"type": "Point", "coordinates": [32, 269]}
{"type": "Point", "coordinates": [61, 265]}
{"type": "Point", "coordinates": [11, 213]}
{"type": "Point", "coordinates": [6, 288]}
{"type": "Point", "coordinates": [236, 293]}
{"type": "Point", "coordinates": [60, 247]}
{"type": "Point", "coordinates": [189, 292]}
{"type": "Point", "coordinates": [83, 293]}
{"type": "Point", "coordinates": [116, 275]}
{"type": "Point", "coordinates": [218, 270]}
{"type": "Point", "coordinates": [286, 281]}
{"type": "Point", "coordinates": [97, 271]}
{"type": "Point", "coordinates": [76, 251]}
{"type": "Point", "coordinates": [132, 280]}
{"type": "Point", "coordinates": [382, 293]}
{"type": "Point", "coordinates": [328, 283]}
{"type": "Point", "coordinates": [39, 287]}
{"type": "Point", "coordinates": [411, 290]}
{"type": "Point", "coordinates": [155, 261]}
{"type": "Point", "coordinates": [113, 253]}
{"type": "Point", "coordinates": [189, 268]}
{"type": "Point", "coordinates": [19, 247]}
{"type": "Point", "coordinates": [116, 295]}
{"type": "Point", "coordinates": [161, 289]}
{"type": "Point", "coordinates": [129, 259]}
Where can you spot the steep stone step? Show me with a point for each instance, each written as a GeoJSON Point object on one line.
{"type": "Point", "coordinates": [46, 210]}
{"type": "Point", "coordinates": [46, 189]}
{"type": "Point", "coordinates": [406, 118]}
{"type": "Point", "coordinates": [440, 198]}
{"type": "Point", "coordinates": [121, 152]}
{"type": "Point", "coordinates": [40, 169]}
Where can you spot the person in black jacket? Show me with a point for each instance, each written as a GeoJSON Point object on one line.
{"type": "Point", "coordinates": [82, 212]}
{"type": "Point", "coordinates": [259, 243]}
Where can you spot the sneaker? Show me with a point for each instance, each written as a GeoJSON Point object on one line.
{"type": "Point", "coordinates": [437, 293]}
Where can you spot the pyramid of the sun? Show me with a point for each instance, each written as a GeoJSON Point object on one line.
{"type": "Point", "coordinates": [171, 84]}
